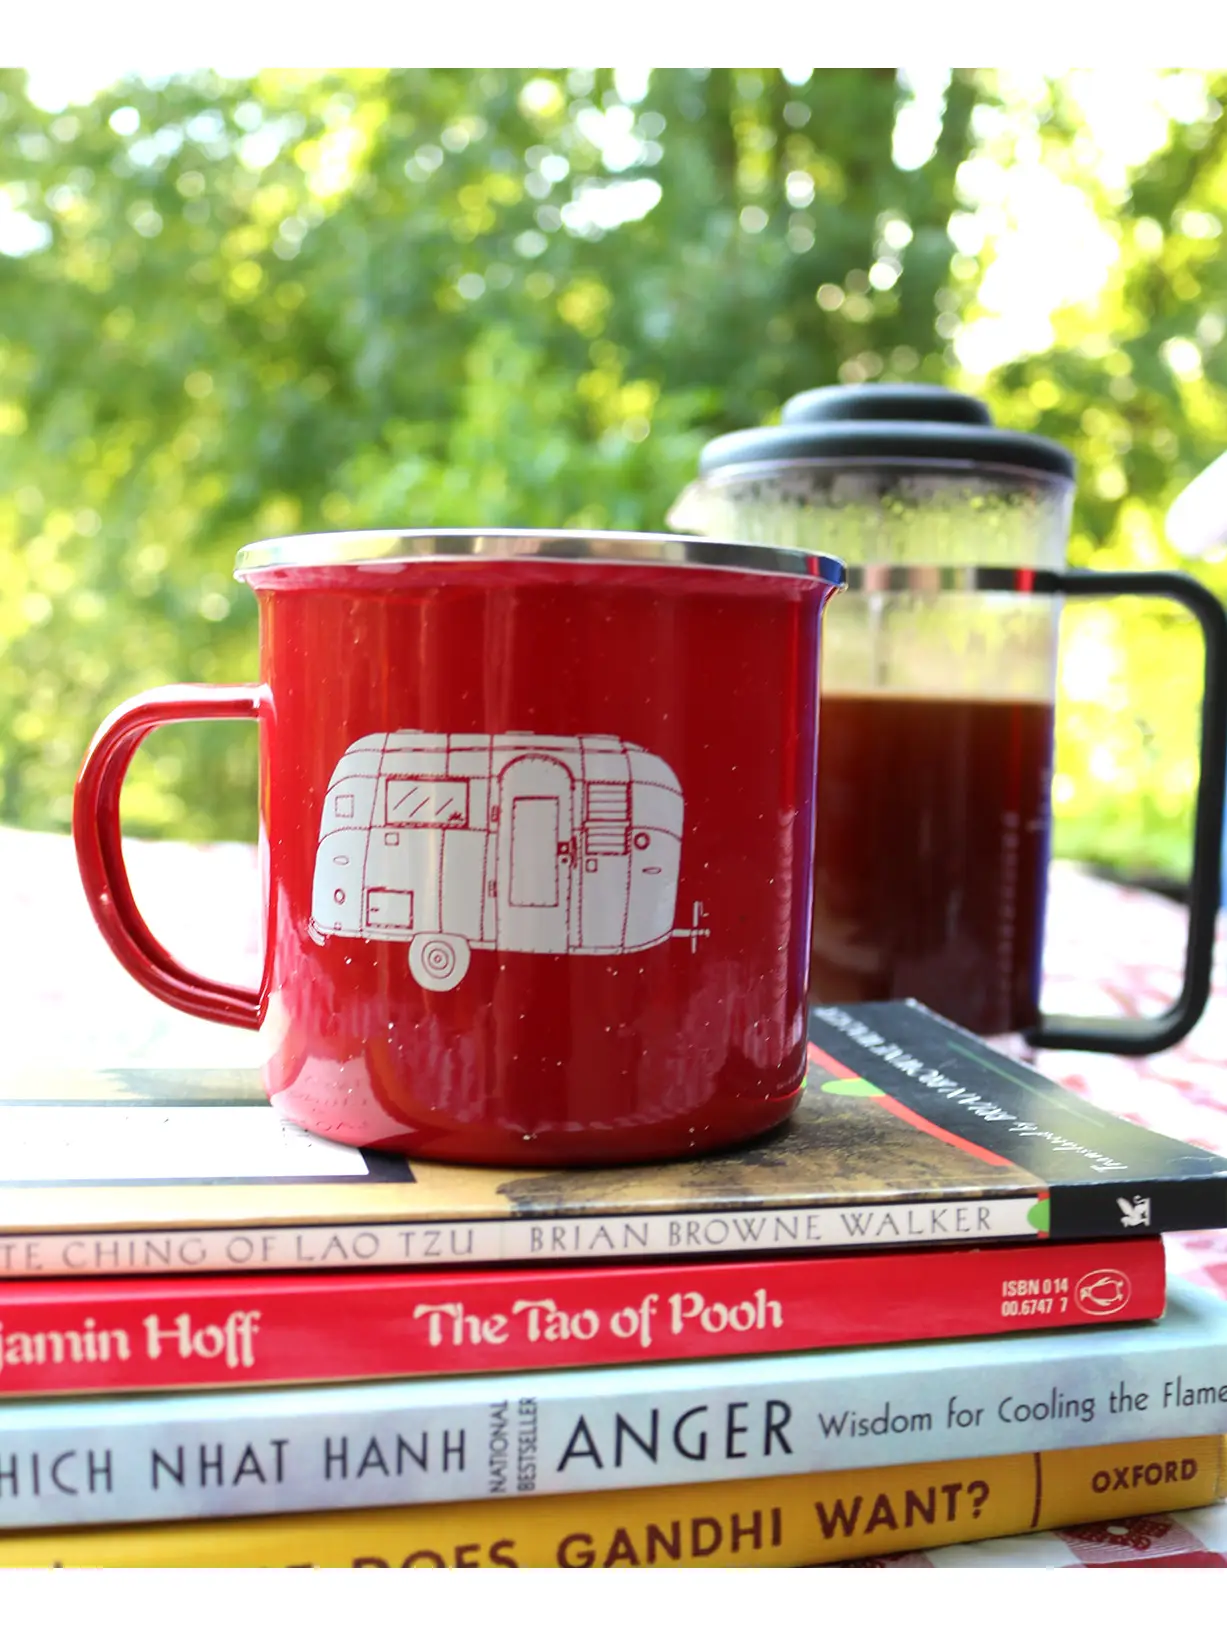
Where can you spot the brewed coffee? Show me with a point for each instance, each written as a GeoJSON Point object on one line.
{"type": "Point", "coordinates": [932, 851]}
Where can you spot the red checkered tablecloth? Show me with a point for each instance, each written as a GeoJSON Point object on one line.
{"type": "Point", "coordinates": [1191, 1538]}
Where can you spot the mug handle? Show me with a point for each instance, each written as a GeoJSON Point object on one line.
{"type": "Point", "coordinates": [99, 844]}
{"type": "Point", "coordinates": [1142, 1035]}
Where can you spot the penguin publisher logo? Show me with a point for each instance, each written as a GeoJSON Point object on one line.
{"type": "Point", "coordinates": [1134, 1211]}
{"type": "Point", "coordinates": [1103, 1293]}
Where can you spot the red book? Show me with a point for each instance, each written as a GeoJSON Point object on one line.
{"type": "Point", "coordinates": [148, 1333]}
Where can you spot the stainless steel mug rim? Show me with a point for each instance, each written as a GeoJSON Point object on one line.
{"type": "Point", "coordinates": [358, 547]}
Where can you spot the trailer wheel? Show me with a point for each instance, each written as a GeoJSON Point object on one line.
{"type": "Point", "coordinates": [438, 962]}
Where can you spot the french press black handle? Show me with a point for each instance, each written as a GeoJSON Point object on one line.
{"type": "Point", "coordinates": [1138, 1035]}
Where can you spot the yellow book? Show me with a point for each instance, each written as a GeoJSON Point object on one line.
{"type": "Point", "coordinates": [790, 1521]}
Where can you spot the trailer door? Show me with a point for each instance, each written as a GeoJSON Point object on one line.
{"type": "Point", "coordinates": [536, 854]}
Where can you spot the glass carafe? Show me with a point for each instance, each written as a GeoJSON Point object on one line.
{"type": "Point", "coordinates": [938, 697]}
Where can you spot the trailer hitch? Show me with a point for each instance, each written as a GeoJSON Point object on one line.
{"type": "Point", "coordinates": [695, 929]}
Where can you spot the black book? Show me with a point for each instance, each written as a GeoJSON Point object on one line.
{"type": "Point", "coordinates": [910, 1131]}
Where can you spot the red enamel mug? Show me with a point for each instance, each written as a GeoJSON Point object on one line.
{"type": "Point", "coordinates": [536, 824]}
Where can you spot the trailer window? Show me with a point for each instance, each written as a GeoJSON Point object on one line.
{"type": "Point", "coordinates": [343, 806]}
{"type": "Point", "coordinates": [430, 803]}
{"type": "Point", "coordinates": [608, 816]}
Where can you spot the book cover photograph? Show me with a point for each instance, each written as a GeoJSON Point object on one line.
{"type": "Point", "coordinates": [910, 1132]}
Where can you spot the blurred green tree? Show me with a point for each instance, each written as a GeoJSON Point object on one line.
{"type": "Point", "coordinates": [1135, 384]}
{"type": "Point", "coordinates": [445, 297]}
{"type": "Point", "coordinates": [395, 297]}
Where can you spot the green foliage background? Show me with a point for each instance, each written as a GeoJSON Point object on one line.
{"type": "Point", "coordinates": [418, 297]}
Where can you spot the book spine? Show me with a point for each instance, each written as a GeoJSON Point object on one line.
{"type": "Point", "coordinates": [165, 1334]}
{"type": "Point", "coordinates": [790, 1522]}
{"type": "Point", "coordinates": [88, 1461]}
{"type": "Point", "coordinates": [542, 1239]}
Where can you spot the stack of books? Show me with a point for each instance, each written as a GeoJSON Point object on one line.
{"type": "Point", "coordinates": [930, 1309]}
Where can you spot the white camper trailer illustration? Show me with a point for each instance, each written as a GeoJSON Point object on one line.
{"type": "Point", "coordinates": [508, 841]}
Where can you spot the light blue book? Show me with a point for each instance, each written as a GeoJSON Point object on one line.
{"type": "Point", "coordinates": [97, 1460]}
